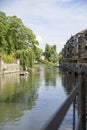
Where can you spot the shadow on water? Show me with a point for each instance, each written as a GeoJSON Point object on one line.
{"type": "Point", "coordinates": [68, 81]}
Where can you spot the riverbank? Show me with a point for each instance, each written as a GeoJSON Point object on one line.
{"type": "Point", "coordinates": [9, 71]}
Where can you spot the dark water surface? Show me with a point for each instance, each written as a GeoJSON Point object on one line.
{"type": "Point", "coordinates": [27, 102]}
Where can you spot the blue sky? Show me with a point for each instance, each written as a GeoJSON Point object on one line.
{"type": "Point", "coordinates": [53, 21]}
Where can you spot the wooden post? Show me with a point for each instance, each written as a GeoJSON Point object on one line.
{"type": "Point", "coordinates": [82, 100]}
{"type": "Point", "coordinates": [83, 104]}
{"type": "Point", "coordinates": [74, 114]}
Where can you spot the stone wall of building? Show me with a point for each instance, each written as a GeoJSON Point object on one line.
{"type": "Point", "coordinates": [75, 49]}
{"type": "Point", "coordinates": [74, 53]}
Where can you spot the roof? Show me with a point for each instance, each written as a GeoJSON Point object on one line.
{"type": "Point", "coordinates": [83, 31]}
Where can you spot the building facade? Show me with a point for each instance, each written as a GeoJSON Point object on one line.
{"type": "Point", "coordinates": [75, 49]}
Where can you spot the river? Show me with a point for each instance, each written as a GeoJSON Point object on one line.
{"type": "Point", "coordinates": [28, 102]}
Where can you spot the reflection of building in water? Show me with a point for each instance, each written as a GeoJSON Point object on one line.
{"type": "Point", "coordinates": [68, 81]}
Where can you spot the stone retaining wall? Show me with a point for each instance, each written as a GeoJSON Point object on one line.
{"type": "Point", "coordinates": [74, 67]}
{"type": "Point", "coordinates": [9, 67]}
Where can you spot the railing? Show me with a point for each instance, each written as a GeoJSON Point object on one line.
{"type": "Point", "coordinates": [58, 117]}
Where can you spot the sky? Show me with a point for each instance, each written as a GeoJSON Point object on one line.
{"type": "Point", "coordinates": [52, 21]}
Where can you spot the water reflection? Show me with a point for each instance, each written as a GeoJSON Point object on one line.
{"type": "Point", "coordinates": [68, 81]}
{"type": "Point", "coordinates": [50, 75]}
{"type": "Point", "coordinates": [17, 93]}
{"type": "Point", "coordinates": [31, 100]}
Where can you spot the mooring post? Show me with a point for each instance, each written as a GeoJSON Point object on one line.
{"type": "Point", "coordinates": [74, 102]}
{"type": "Point", "coordinates": [82, 100]}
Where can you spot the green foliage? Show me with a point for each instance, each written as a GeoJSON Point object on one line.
{"type": "Point", "coordinates": [47, 52]}
{"type": "Point", "coordinates": [26, 57]}
{"type": "Point", "coordinates": [17, 39]}
{"type": "Point", "coordinates": [3, 18]}
{"type": "Point", "coordinates": [50, 53]}
{"type": "Point", "coordinates": [8, 58]}
{"type": "Point", "coordinates": [38, 53]}
{"type": "Point", "coordinates": [60, 57]}
{"type": "Point", "coordinates": [3, 32]}
{"type": "Point", "coordinates": [46, 62]}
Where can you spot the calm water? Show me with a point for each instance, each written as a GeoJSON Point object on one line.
{"type": "Point", "coordinates": [26, 103]}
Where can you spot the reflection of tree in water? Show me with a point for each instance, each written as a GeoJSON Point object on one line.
{"type": "Point", "coordinates": [60, 73]}
{"type": "Point", "coordinates": [68, 81]}
{"type": "Point", "coordinates": [50, 76]}
{"type": "Point", "coordinates": [15, 98]}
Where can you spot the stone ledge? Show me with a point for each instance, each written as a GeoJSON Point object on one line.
{"type": "Point", "coordinates": [8, 72]}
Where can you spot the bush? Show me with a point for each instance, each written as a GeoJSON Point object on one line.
{"type": "Point", "coordinates": [46, 62]}
{"type": "Point", "coordinates": [8, 58]}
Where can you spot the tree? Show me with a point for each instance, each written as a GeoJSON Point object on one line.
{"type": "Point", "coordinates": [15, 35]}
{"type": "Point", "coordinates": [51, 53]}
{"type": "Point", "coordinates": [18, 40]}
{"type": "Point", "coordinates": [3, 18]}
{"type": "Point", "coordinates": [47, 52]}
{"type": "Point", "coordinates": [60, 57]}
{"type": "Point", "coordinates": [38, 53]}
{"type": "Point", "coordinates": [26, 57]}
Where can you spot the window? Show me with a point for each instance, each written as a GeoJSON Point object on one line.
{"type": "Point", "coordinates": [86, 36]}
{"type": "Point", "coordinates": [86, 46]}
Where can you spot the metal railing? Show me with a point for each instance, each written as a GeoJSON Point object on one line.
{"type": "Point", "coordinates": [58, 117]}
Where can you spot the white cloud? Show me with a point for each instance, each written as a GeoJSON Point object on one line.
{"type": "Point", "coordinates": [53, 20]}
{"type": "Point", "coordinates": [66, 0]}
{"type": "Point", "coordinates": [39, 38]}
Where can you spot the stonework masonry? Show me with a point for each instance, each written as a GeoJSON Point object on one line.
{"type": "Point", "coordinates": [75, 49]}
{"type": "Point", "coordinates": [74, 53]}
{"type": "Point", "coordinates": [9, 67]}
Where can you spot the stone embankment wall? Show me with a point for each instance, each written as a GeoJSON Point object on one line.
{"type": "Point", "coordinates": [9, 67]}
{"type": "Point", "coordinates": [74, 68]}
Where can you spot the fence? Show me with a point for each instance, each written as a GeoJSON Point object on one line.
{"type": "Point", "coordinates": [80, 91]}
